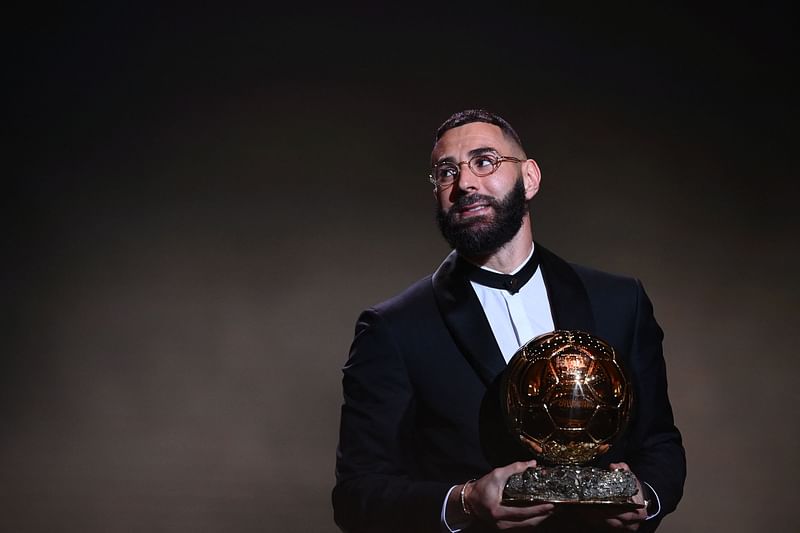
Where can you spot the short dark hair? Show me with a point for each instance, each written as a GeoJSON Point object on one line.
{"type": "Point", "coordinates": [478, 115]}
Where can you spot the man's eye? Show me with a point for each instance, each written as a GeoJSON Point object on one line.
{"type": "Point", "coordinates": [446, 172]}
{"type": "Point", "coordinates": [483, 162]}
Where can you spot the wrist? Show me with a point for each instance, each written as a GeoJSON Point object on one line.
{"type": "Point", "coordinates": [466, 490]}
{"type": "Point", "coordinates": [652, 501]}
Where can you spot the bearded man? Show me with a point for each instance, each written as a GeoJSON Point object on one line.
{"type": "Point", "coordinates": [420, 447]}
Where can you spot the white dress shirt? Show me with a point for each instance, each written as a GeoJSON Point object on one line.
{"type": "Point", "coordinates": [516, 318]}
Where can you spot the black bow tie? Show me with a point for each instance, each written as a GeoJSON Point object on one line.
{"type": "Point", "coordinates": [510, 282]}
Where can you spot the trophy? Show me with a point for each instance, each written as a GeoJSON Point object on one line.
{"type": "Point", "coordinates": [566, 397]}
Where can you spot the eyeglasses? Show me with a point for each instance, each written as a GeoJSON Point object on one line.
{"type": "Point", "coordinates": [446, 173]}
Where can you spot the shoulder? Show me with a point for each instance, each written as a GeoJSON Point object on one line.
{"type": "Point", "coordinates": [613, 298]}
{"type": "Point", "coordinates": [622, 311]}
{"type": "Point", "coordinates": [600, 283]}
{"type": "Point", "coordinates": [413, 305]}
{"type": "Point", "coordinates": [594, 281]}
{"type": "Point", "coordinates": [620, 307]}
{"type": "Point", "coordinates": [417, 295]}
{"type": "Point", "coordinates": [399, 334]}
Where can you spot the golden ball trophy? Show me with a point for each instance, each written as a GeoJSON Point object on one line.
{"type": "Point", "coordinates": [566, 398]}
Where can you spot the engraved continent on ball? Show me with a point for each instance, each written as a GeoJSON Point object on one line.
{"type": "Point", "coordinates": [566, 398]}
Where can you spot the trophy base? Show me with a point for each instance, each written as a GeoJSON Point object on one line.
{"type": "Point", "coordinates": [599, 504]}
{"type": "Point", "coordinates": [572, 485]}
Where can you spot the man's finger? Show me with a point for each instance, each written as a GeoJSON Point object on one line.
{"type": "Point", "coordinates": [517, 514]}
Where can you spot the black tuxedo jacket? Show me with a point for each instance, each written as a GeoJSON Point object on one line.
{"type": "Point", "coordinates": [421, 411]}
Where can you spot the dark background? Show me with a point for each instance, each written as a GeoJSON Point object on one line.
{"type": "Point", "coordinates": [200, 200]}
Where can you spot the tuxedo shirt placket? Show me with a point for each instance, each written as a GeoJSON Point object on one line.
{"type": "Point", "coordinates": [516, 318]}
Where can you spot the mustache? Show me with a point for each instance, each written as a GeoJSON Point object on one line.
{"type": "Point", "coordinates": [464, 201]}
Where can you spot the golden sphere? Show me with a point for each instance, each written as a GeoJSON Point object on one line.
{"type": "Point", "coordinates": [566, 397]}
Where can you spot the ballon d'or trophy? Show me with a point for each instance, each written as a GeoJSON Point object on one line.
{"type": "Point", "coordinates": [566, 398]}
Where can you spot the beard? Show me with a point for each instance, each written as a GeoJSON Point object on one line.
{"type": "Point", "coordinates": [480, 236]}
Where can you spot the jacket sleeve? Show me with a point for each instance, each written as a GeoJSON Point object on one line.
{"type": "Point", "coordinates": [658, 457]}
{"type": "Point", "coordinates": [375, 486]}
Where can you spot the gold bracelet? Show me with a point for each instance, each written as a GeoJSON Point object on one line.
{"type": "Point", "coordinates": [464, 507]}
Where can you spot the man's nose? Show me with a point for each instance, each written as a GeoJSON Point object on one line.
{"type": "Point", "coordinates": [467, 180]}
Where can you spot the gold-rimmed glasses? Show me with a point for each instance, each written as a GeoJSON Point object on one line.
{"type": "Point", "coordinates": [446, 173]}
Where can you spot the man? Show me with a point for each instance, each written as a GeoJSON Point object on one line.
{"type": "Point", "coordinates": [420, 447]}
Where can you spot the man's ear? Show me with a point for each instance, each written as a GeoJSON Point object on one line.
{"type": "Point", "coordinates": [531, 178]}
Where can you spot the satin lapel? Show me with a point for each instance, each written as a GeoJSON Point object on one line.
{"type": "Point", "coordinates": [569, 301]}
{"type": "Point", "coordinates": [466, 321]}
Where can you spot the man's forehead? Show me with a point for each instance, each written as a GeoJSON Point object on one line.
{"type": "Point", "coordinates": [460, 140]}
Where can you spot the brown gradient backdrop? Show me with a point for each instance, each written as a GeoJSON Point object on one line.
{"type": "Point", "coordinates": [204, 200]}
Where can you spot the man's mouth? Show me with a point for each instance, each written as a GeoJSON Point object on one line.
{"type": "Point", "coordinates": [471, 210]}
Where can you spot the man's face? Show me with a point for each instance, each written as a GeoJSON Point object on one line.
{"type": "Point", "coordinates": [478, 215]}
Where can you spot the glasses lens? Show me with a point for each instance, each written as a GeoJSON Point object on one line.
{"type": "Point", "coordinates": [445, 173]}
{"type": "Point", "coordinates": [483, 165]}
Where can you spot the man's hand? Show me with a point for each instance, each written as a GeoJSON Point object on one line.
{"type": "Point", "coordinates": [628, 520]}
{"type": "Point", "coordinates": [483, 499]}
